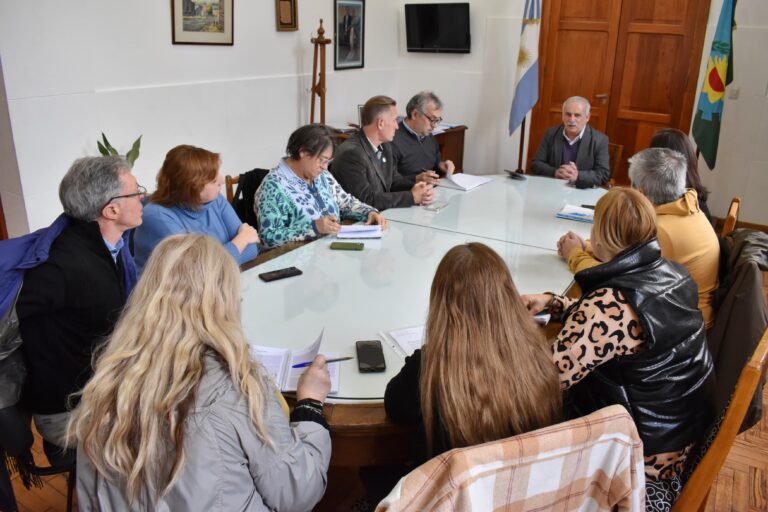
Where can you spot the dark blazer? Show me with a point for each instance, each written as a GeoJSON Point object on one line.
{"type": "Point", "coordinates": [359, 172]}
{"type": "Point", "coordinates": [591, 160]}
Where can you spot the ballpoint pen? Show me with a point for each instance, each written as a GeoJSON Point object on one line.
{"type": "Point", "coordinates": [336, 360]}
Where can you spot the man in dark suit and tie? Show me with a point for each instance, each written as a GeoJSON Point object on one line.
{"type": "Point", "coordinates": [574, 151]}
{"type": "Point", "coordinates": [364, 166]}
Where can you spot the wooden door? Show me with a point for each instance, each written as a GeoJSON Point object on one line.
{"type": "Point", "coordinates": [577, 48]}
{"type": "Point", "coordinates": [636, 61]}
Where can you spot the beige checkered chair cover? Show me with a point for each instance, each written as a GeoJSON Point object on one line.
{"type": "Point", "coordinates": [590, 463]}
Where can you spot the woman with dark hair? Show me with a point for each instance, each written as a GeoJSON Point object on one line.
{"type": "Point", "coordinates": [673, 138]}
{"type": "Point", "coordinates": [187, 200]}
{"type": "Point", "coordinates": [300, 200]}
{"type": "Point", "coordinates": [485, 371]}
{"type": "Point", "coordinates": [636, 338]}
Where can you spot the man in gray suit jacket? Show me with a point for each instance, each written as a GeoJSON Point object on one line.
{"type": "Point", "coordinates": [364, 166]}
{"type": "Point", "coordinates": [574, 150]}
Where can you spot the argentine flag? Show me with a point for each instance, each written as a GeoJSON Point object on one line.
{"type": "Point", "coordinates": [527, 76]}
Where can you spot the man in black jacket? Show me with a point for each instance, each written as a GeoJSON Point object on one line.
{"type": "Point", "coordinates": [364, 165]}
{"type": "Point", "coordinates": [70, 303]}
{"type": "Point", "coordinates": [574, 151]}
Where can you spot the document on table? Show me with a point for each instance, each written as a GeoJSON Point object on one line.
{"type": "Point", "coordinates": [462, 181]}
{"type": "Point", "coordinates": [407, 340]}
{"type": "Point", "coordinates": [359, 231]}
{"type": "Point", "coordinates": [278, 362]}
{"type": "Point", "coordinates": [578, 213]}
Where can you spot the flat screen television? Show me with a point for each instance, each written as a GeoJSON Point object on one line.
{"type": "Point", "coordinates": [437, 28]}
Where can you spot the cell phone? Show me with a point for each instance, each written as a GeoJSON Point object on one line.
{"type": "Point", "coordinates": [347, 246]}
{"type": "Point", "coordinates": [515, 175]}
{"type": "Point", "coordinates": [280, 274]}
{"type": "Point", "coordinates": [370, 356]}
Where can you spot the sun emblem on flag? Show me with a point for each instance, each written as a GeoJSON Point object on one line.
{"type": "Point", "coordinates": [714, 82]}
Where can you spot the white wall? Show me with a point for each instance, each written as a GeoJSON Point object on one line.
{"type": "Point", "coordinates": [75, 69]}
{"type": "Point", "coordinates": [742, 158]}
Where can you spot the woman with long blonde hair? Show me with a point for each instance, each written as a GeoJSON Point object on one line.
{"type": "Point", "coordinates": [178, 417]}
{"type": "Point", "coordinates": [485, 371]}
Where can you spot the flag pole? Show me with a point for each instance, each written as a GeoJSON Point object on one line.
{"type": "Point", "coordinates": [522, 143]}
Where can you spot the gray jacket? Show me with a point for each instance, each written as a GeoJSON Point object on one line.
{"type": "Point", "coordinates": [227, 467]}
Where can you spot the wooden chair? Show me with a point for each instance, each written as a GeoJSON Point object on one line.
{"type": "Point", "coordinates": [696, 490]}
{"type": "Point", "coordinates": [231, 182]}
{"type": "Point", "coordinates": [729, 224]}
{"type": "Point", "coordinates": [614, 160]}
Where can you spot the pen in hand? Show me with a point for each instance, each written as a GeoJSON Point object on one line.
{"type": "Point", "coordinates": [336, 360]}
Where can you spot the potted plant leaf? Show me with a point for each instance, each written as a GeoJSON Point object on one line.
{"type": "Point", "coordinates": [105, 148]}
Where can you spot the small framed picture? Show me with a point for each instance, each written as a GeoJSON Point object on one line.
{"type": "Point", "coordinates": [202, 22]}
{"type": "Point", "coordinates": [349, 43]}
{"type": "Point", "coordinates": [287, 17]}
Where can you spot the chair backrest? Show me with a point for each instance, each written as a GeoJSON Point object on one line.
{"type": "Point", "coordinates": [729, 224]}
{"type": "Point", "coordinates": [230, 182]}
{"type": "Point", "coordinates": [243, 198]}
{"type": "Point", "coordinates": [696, 489]}
{"type": "Point", "coordinates": [614, 160]}
{"type": "Point", "coordinates": [594, 462]}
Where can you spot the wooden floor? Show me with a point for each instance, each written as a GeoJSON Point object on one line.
{"type": "Point", "coordinates": [741, 486]}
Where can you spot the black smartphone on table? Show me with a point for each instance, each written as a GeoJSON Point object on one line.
{"type": "Point", "coordinates": [280, 274]}
{"type": "Point", "coordinates": [370, 356]}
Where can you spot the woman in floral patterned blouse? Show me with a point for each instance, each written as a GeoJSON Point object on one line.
{"type": "Point", "coordinates": [300, 200]}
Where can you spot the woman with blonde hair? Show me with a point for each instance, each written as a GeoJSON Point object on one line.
{"type": "Point", "coordinates": [178, 417]}
{"type": "Point", "coordinates": [636, 338]}
{"type": "Point", "coordinates": [485, 371]}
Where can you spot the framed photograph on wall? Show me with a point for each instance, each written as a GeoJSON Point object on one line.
{"type": "Point", "coordinates": [349, 43]}
{"type": "Point", "coordinates": [202, 21]}
{"type": "Point", "coordinates": [287, 17]}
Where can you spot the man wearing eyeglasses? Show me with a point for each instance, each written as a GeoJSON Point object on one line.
{"type": "Point", "coordinates": [415, 150]}
{"type": "Point", "coordinates": [70, 302]}
{"type": "Point", "coordinates": [364, 165]}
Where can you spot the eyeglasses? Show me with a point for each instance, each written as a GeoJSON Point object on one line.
{"type": "Point", "coordinates": [324, 161]}
{"type": "Point", "coordinates": [140, 191]}
{"type": "Point", "coordinates": [434, 121]}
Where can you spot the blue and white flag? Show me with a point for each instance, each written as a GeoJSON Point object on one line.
{"type": "Point", "coordinates": [527, 76]}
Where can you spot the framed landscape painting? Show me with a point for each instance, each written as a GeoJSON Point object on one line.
{"type": "Point", "coordinates": [349, 43]}
{"type": "Point", "coordinates": [202, 21]}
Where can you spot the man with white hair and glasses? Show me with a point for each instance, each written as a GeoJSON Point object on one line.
{"type": "Point", "coordinates": [70, 302]}
{"type": "Point", "coordinates": [574, 151]}
{"type": "Point", "coordinates": [414, 148]}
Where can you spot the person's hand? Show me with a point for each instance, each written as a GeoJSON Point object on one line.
{"type": "Point", "coordinates": [377, 218]}
{"type": "Point", "coordinates": [569, 242]}
{"type": "Point", "coordinates": [447, 167]}
{"type": "Point", "coordinates": [568, 172]}
{"type": "Point", "coordinates": [536, 303]}
{"type": "Point", "coordinates": [327, 225]}
{"type": "Point", "coordinates": [315, 382]}
{"type": "Point", "coordinates": [246, 234]}
{"type": "Point", "coordinates": [430, 177]}
{"type": "Point", "coordinates": [422, 193]}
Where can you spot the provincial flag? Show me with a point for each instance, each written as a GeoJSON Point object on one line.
{"type": "Point", "coordinates": [527, 76]}
{"type": "Point", "coordinates": [709, 112]}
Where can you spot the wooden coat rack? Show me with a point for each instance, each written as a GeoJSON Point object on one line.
{"type": "Point", "coordinates": [318, 80]}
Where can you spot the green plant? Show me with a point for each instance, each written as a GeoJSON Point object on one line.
{"type": "Point", "coordinates": [105, 148]}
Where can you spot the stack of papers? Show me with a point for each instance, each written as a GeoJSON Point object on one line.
{"type": "Point", "coordinates": [359, 231]}
{"type": "Point", "coordinates": [463, 181]}
{"type": "Point", "coordinates": [279, 361]}
{"type": "Point", "coordinates": [572, 212]}
{"type": "Point", "coordinates": [407, 340]}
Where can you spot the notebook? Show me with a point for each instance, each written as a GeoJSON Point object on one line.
{"type": "Point", "coordinates": [278, 363]}
{"type": "Point", "coordinates": [462, 181]}
{"type": "Point", "coordinates": [359, 231]}
{"type": "Point", "coordinates": [578, 213]}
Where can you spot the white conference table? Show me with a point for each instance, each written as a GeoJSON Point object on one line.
{"type": "Point", "coordinates": [360, 295]}
{"type": "Point", "coordinates": [508, 210]}
{"type": "Point", "coordinates": [357, 295]}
